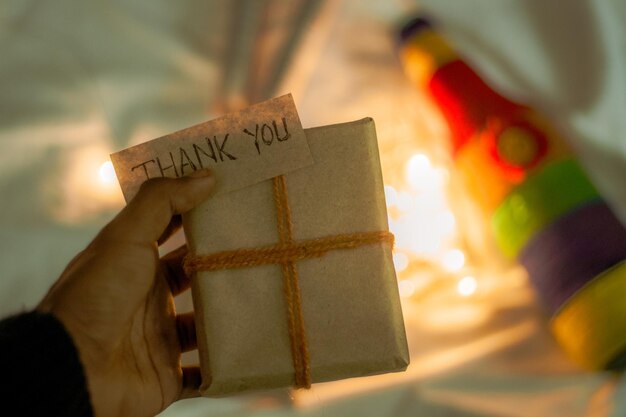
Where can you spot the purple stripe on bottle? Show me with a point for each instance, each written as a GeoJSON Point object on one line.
{"type": "Point", "coordinates": [570, 252]}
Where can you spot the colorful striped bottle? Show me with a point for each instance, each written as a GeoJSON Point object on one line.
{"type": "Point", "coordinates": [544, 210]}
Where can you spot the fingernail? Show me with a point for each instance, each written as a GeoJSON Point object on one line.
{"type": "Point", "coordinates": [201, 173]}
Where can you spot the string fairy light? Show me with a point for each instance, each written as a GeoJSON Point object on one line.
{"type": "Point", "coordinates": [419, 171]}
{"type": "Point", "coordinates": [106, 173]}
{"type": "Point", "coordinates": [89, 187]}
{"type": "Point", "coordinates": [467, 286]}
{"type": "Point", "coordinates": [453, 260]}
{"type": "Point", "coordinates": [421, 217]}
{"type": "Point", "coordinates": [436, 274]}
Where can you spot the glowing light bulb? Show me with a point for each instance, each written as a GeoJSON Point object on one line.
{"type": "Point", "coordinates": [418, 162]}
{"type": "Point", "coordinates": [453, 260]}
{"type": "Point", "coordinates": [419, 171]}
{"type": "Point", "coordinates": [406, 288]}
{"type": "Point", "coordinates": [400, 261]}
{"type": "Point", "coordinates": [106, 173]}
{"type": "Point", "coordinates": [467, 286]}
{"type": "Point", "coordinates": [89, 186]}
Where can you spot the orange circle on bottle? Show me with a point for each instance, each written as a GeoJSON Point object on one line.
{"type": "Point", "coordinates": [517, 146]}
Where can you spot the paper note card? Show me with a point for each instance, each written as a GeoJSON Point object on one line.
{"type": "Point", "coordinates": [242, 148]}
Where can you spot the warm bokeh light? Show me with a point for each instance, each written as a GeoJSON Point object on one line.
{"type": "Point", "coordinates": [453, 260]}
{"type": "Point", "coordinates": [429, 216]}
{"type": "Point", "coordinates": [418, 171]}
{"type": "Point", "coordinates": [419, 214]}
{"type": "Point", "coordinates": [106, 173]}
{"type": "Point", "coordinates": [89, 185]}
{"type": "Point", "coordinates": [467, 286]}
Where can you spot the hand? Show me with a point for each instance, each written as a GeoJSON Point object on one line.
{"type": "Point", "coordinates": [115, 300]}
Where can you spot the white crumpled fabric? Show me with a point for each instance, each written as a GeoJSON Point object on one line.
{"type": "Point", "coordinates": [79, 80]}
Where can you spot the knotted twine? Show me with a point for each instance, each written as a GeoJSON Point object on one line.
{"type": "Point", "coordinates": [286, 253]}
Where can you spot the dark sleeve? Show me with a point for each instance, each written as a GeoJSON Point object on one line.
{"type": "Point", "coordinates": [40, 372]}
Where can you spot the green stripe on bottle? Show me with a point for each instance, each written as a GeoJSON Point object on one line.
{"type": "Point", "coordinates": [538, 201]}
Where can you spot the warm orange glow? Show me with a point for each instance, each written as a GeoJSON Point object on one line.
{"type": "Point", "coordinates": [106, 173]}
{"type": "Point", "coordinates": [467, 286]}
{"type": "Point", "coordinates": [89, 185]}
{"type": "Point", "coordinates": [453, 260]}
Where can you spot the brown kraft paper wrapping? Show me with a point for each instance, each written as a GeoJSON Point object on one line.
{"type": "Point", "coordinates": [350, 301]}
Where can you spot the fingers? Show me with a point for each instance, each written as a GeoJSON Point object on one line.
{"type": "Point", "coordinates": [191, 382]}
{"type": "Point", "coordinates": [172, 267]}
{"type": "Point", "coordinates": [186, 329]}
{"type": "Point", "coordinates": [173, 226]}
{"type": "Point", "coordinates": [149, 213]}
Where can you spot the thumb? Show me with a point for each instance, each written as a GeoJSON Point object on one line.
{"type": "Point", "coordinates": [148, 214]}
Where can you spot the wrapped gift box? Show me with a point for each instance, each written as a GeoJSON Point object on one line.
{"type": "Point", "coordinates": [350, 306]}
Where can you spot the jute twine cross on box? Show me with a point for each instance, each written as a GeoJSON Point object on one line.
{"type": "Point", "coordinates": [287, 253]}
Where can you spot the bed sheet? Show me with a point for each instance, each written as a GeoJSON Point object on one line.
{"type": "Point", "coordinates": [81, 79]}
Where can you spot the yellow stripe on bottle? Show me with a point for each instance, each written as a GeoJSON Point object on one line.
{"type": "Point", "coordinates": [591, 326]}
{"type": "Point", "coordinates": [423, 53]}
